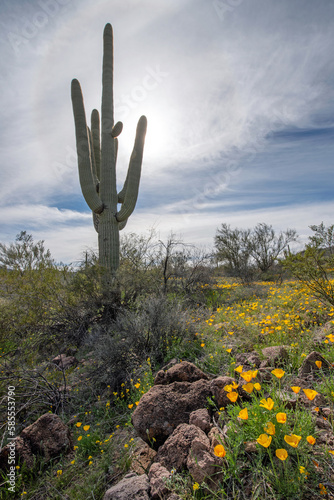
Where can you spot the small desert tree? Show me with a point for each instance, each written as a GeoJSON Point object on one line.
{"type": "Point", "coordinates": [265, 246]}
{"type": "Point", "coordinates": [314, 266]}
{"type": "Point", "coordinates": [248, 252]}
{"type": "Point", "coordinates": [31, 284]}
{"type": "Point", "coordinates": [233, 250]}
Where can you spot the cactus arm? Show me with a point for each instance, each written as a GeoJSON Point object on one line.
{"type": "Point", "coordinates": [131, 184]}
{"type": "Point", "coordinates": [83, 150]}
{"type": "Point", "coordinates": [96, 221]}
{"type": "Point", "coordinates": [122, 225]}
{"type": "Point", "coordinates": [92, 159]}
{"type": "Point", "coordinates": [95, 128]}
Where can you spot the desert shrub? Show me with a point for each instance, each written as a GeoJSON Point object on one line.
{"type": "Point", "coordinates": [249, 254]}
{"type": "Point", "coordinates": [32, 287]}
{"type": "Point", "coordinates": [314, 266]}
{"type": "Point", "coordinates": [135, 335]}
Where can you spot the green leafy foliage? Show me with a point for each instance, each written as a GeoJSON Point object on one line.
{"type": "Point", "coordinates": [314, 266]}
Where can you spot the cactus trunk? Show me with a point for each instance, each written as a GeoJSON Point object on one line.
{"type": "Point", "coordinates": [97, 164]}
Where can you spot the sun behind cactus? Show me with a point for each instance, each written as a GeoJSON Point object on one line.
{"type": "Point", "coordinates": [97, 155]}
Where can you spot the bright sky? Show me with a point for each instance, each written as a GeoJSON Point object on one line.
{"type": "Point", "coordinates": [239, 97]}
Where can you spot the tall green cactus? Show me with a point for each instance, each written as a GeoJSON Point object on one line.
{"type": "Point", "coordinates": [97, 163]}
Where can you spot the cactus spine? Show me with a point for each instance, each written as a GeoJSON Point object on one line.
{"type": "Point", "coordinates": [97, 163]}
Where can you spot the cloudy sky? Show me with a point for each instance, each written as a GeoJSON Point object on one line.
{"type": "Point", "coordinates": [239, 96]}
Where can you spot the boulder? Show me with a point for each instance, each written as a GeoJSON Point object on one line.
{"type": "Point", "coordinates": [181, 372]}
{"type": "Point", "coordinates": [249, 360]}
{"type": "Point", "coordinates": [275, 355]}
{"type": "Point", "coordinates": [215, 437]}
{"type": "Point", "coordinates": [201, 419]}
{"type": "Point", "coordinates": [309, 367]}
{"type": "Point", "coordinates": [157, 476]}
{"type": "Point", "coordinates": [142, 457]}
{"type": "Point", "coordinates": [217, 388]}
{"type": "Point", "coordinates": [18, 448]}
{"type": "Point", "coordinates": [164, 407]}
{"type": "Point", "coordinates": [64, 362]}
{"type": "Point", "coordinates": [130, 487]}
{"type": "Point", "coordinates": [48, 437]}
{"type": "Point", "coordinates": [173, 454]}
{"type": "Point", "coordinates": [202, 464]}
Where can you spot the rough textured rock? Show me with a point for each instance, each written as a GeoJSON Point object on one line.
{"type": "Point", "coordinates": [48, 437]}
{"type": "Point", "coordinates": [275, 355]}
{"type": "Point", "coordinates": [215, 437]}
{"type": "Point", "coordinates": [142, 457]}
{"type": "Point", "coordinates": [22, 453]}
{"type": "Point", "coordinates": [309, 367]}
{"type": "Point", "coordinates": [157, 476]}
{"type": "Point", "coordinates": [174, 453]}
{"type": "Point", "coordinates": [201, 419]}
{"type": "Point", "coordinates": [250, 447]}
{"type": "Point", "coordinates": [217, 388]}
{"type": "Point", "coordinates": [173, 496]}
{"type": "Point", "coordinates": [64, 362]}
{"type": "Point", "coordinates": [130, 487]}
{"type": "Point", "coordinates": [202, 464]}
{"type": "Point", "coordinates": [164, 407]}
{"type": "Point", "coordinates": [181, 372]}
{"type": "Point", "coordinates": [249, 360]}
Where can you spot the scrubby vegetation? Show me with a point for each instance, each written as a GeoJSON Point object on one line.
{"type": "Point", "coordinates": [169, 301]}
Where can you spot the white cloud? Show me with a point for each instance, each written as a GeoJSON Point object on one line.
{"type": "Point", "coordinates": [224, 85]}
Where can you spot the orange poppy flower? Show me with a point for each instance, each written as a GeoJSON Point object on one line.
{"type": "Point", "coordinates": [281, 418]}
{"type": "Point", "coordinates": [219, 451]}
{"type": "Point", "coordinates": [310, 439]}
{"type": "Point", "coordinates": [243, 414]}
{"type": "Point", "coordinates": [295, 389]}
{"type": "Point", "coordinates": [278, 372]}
{"type": "Point", "coordinates": [267, 403]}
{"type": "Point", "coordinates": [310, 394]}
{"type": "Point", "coordinates": [248, 387]}
{"type": "Point", "coordinates": [270, 429]}
{"type": "Point", "coordinates": [292, 440]}
{"type": "Point", "coordinates": [247, 375]}
{"type": "Point", "coordinates": [281, 454]}
{"type": "Point", "coordinates": [264, 440]}
{"type": "Point", "coordinates": [232, 396]}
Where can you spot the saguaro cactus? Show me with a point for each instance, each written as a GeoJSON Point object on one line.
{"type": "Point", "coordinates": [97, 163]}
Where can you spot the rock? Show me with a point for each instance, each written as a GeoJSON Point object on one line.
{"type": "Point", "coordinates": [48, 437]}
{"type": "Point", "coordinates": [64, 362]}
{"type": "Point", "coordinates": [309, 366]}
{"type": "Point", "coordinates": [323, 423]}
{"type": "Point", "coordinates": [19, 449]}
{"type": "Point", "coordinates": [173, 454]}
{"type": "Point", "coordinates": [250, 447]}
{"type": "Point", "coordinates": [249, 360]}
{"type": "Point", "coordinates": [202, 464]}
{"type": "Point", "coordinates": [164, 407]}
{"type": "Point", "coordinates": [157, 476]}
{"type": "Point", "coordinates": [130, 487]}
{"type": "Point", "coordinates": [142, 457]}
{"type": "Point", "coordinates": [181, 372]}
{"type": "Point", "coordinates": [215, 437]}
{"type": "Point", "coordinates": [173, 496]}
{"type": "Point", "coordinates": [326, 438]}
{"type": "Point", "coordinates": [201, 419]}
{"type": "Point", "coordinates": [275, 354]}
{"type": "Point", "coordinates": [217, 388]}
